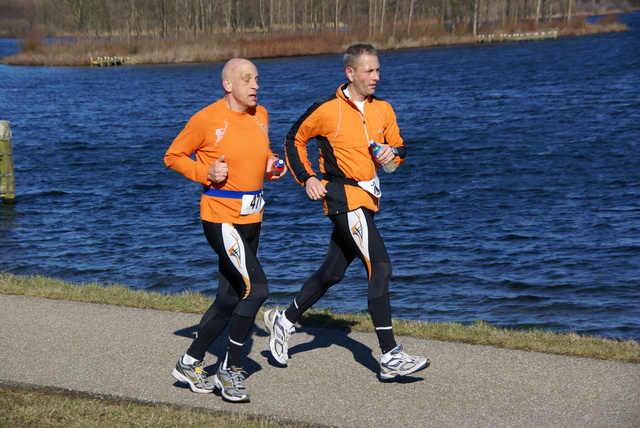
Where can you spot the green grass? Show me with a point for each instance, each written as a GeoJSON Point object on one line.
{"type": "Point", "coordinates": [478, 333]}
{"type": "Point", "coordinates": [28, 407]}
{"type": "Point", "coordinates": [51, 407]}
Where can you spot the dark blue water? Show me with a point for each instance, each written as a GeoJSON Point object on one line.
{"type": "Point", "coordinates": [519, 203]}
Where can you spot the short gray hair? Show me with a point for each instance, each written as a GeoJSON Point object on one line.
{"type": "Point", "coordinates": [354, 51]}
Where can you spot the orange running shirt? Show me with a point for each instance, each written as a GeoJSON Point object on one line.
{"type": "Point", "coordinates": [243, 140]}
{"type": "Point", "coordinates": [342, 134]}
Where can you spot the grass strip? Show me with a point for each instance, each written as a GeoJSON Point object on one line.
{"type": "Point", "coordinates": [478, 333]}
{"type": "Point", "coordinates": [31, 406]}
{"type": "Point", "coordinates": [38, 407]}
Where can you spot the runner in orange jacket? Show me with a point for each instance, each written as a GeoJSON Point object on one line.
{"type": "Point", "coordinates": [344, 126]}
{"type": "Point", "coordinates": [231, 145]}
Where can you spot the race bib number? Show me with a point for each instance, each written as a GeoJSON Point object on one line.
{"type": "Point", "coordinates": [372, 186]}
{"type": "Point", "coordinates": [252, 204]}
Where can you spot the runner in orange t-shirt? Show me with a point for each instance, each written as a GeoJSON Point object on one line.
{"type": "Point", "coordinates": [230, 143]}
{"type": "Point", "coordinates": [345, 126]}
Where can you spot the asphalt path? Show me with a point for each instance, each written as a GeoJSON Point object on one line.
{"type": "Point", "coordinates": [331, 379]}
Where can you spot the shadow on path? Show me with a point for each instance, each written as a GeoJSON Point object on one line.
{"type": "Point", "coordinates": [217, 350]}
{"type": "Point", "coordinates": [337, 335]}
{"type": "Point", "coordinates": [322, 337]}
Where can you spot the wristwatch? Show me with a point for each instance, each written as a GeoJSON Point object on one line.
{"type": "Point", "coordinates": [394, 150]}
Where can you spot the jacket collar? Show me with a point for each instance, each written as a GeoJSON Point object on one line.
{"type": "Point", "coordinates": [340, 94]}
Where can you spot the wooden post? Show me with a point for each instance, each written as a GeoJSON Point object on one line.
{"type": "Point", "coordinates": [7, 183]}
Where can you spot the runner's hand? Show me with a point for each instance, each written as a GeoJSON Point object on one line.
{"type": "Point", "coordinates": [385, 155]}
{"type": "Point", "coordinates": [272, 160]}
{"type": "Point", "coordinates": [315, 189]}
{"type": "Point", "coordinates": [218, 171]}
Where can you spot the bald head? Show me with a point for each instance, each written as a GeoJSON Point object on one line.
{"type": "Point", "coordinates": [234, 66]}
{"type": "Point", "coordinates": [240, 83]}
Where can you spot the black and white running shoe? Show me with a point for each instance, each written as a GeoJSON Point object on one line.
{"type": "Point", "coordinates": [231, 384]}
{"type": "Point", "coordinates": [194, 375]}
{"type": "Point", "coordinates": [398, 363]}
{"type": "Point", "coordinates": [278, 335]}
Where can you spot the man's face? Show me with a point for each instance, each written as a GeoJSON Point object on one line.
{"type": "Point", "coordinates": [243, 87]}
{"type": "Point", "coordinates": [364, 77]}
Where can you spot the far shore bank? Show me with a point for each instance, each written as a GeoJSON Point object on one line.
{"type": "Point", "coordinates": [36, 51]}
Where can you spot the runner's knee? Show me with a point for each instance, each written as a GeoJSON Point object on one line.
{"type": "Point", "coordinates": [327, 278]}
{"type": "Point", "coordinates": [380, 278]}
{"type": "Point", "coordinates": [249, 306]}
{"type": "Point", "coordinates": [259, 292]}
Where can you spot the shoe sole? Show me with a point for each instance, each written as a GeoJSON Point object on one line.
{"type": "Point", "coordinates": [387, 376]}
{"type": "Point", "coordinates": [182, 378]}
{"type": "Point", "coordinates": [218, 384]}
{"type": "Point", "coordinates": [272, 338]}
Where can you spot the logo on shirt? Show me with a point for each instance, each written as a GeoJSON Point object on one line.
{"type": "Point", "coordinates": [220, 131]}
{"type": "Point", "coordinates": [262, 126]}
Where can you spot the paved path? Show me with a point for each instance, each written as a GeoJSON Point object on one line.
{"type": "Point", "coordinates": [331, 379]}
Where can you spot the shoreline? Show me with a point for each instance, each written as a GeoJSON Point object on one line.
{"type": "Point", "coordinates": [478, 333]}
{"type": "Point", "coordinates": [87, 52]}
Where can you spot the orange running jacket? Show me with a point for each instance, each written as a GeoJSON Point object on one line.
{"type": "Point", "coordinates": [342, 134]}
{"type": "Point", "coordinates": [243, 140]}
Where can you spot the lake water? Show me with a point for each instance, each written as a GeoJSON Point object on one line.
{"type": "Point", "coordinates": [519, 203]}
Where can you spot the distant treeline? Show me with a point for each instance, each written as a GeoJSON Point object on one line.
{"type": "Point", "coordinates": [180, 18]}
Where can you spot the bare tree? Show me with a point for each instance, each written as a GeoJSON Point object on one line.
{"type": "Point", "coordinates": [188, 18]}
{"type": "Point", "coordinates": [75, 9]}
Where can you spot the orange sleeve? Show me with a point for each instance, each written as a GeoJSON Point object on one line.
{"type": "Point", "coordinates": [296, 141]}
{"type": "Point", "coordinates": [392, 135]}
{"type": "Point", "coordinates": [190, 140]}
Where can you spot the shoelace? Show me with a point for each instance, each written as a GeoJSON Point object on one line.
{"type": "Point", "coordinates": [288, 333]}
{"type": "Point", "coordinates": [406, 356]}
{"type": "Point", "coordinates": [199, 371]}
{"type": "Point", "coordinates": [403, 355]}
{"type": "Point", "coordinates": [237, 378]}
{"type": "Point", "coordinates": [287, 336]}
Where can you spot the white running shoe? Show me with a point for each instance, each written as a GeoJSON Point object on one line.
{"type": "Point", "coordinates": [231, 384]}
{"type": "Point", "coordinates": [278, 335]}
{"type": "Point", "coordinates": [401, 364]}
{"type": "Point", "coordinates": [193, 375]}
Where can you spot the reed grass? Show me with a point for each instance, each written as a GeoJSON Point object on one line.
{"type": "Point", "coordinates": [35, 51]}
